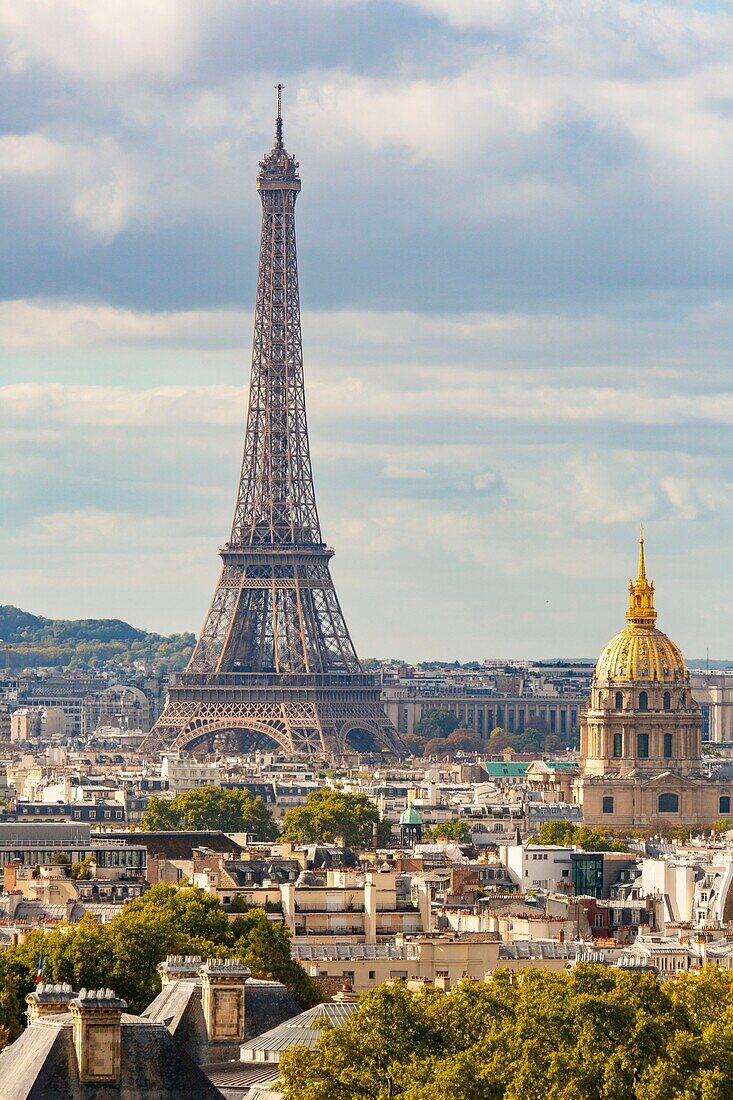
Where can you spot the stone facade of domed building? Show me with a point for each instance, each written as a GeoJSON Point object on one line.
{"type": "Point", "coordinates": [640, 737]}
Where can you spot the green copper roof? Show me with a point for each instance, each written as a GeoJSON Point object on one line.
{"type": "Point", "coordinates": [500, 768]}
{"type": "Point", "coordinates": [410, 816]}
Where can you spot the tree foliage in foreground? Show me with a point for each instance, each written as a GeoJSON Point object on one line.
{"type": "Point", "coordinates": [233, 811]}
{"type": "Point", "coordinates": [593, 1034]}
{"type": "Point", "coordinates": [329, 813]}
{"type": "Point", "coordinates": [124, 954]}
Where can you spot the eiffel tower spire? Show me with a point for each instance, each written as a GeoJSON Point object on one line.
{"type": "Point", "coordinates": [275, 661]}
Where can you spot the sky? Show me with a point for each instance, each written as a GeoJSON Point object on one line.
{"type": "Point", "coordinates": [516, 268]}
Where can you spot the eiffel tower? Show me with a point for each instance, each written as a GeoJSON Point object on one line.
{"type": "Point", "coordinates": [275, 664]}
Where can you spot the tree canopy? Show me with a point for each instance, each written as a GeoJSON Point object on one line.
{"type": "Point", "coordinates": [436, 723]}
{"type": "Point", "coordinates": [124, 953]}
{"type": "Point", "coordinates": [329, 814]}
{"type": "Point", "coordinates": [457, 829]}
{"type": "Point", "coordinates": [593, 1034]}
{"type": "Point", "coordinates": [211, 808]}
{"type": "Point", "coordinates": [580, 836]}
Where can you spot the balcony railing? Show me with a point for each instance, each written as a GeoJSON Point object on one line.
{"type": "Point", "coordinates": [271, 679]}
{"type": "Point", "coordinates": [327, 912]}
{"type": "Point", "coordinates": [301, 931]}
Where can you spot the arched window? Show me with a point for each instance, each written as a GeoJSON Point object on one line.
{"type": "Point", "coordinates": [669, 804]}
{"type": "Point", "coordinates": [619, 700]}
{"type": "Point", "coordinates": [643, 701]}
{"type": "Point", "coordinates": [667, 700]}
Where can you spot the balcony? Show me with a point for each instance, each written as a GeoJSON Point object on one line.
{"type": "Point", "coordinates": [329, 912]}
{"type": "Point", "coordinates": [300, 930]}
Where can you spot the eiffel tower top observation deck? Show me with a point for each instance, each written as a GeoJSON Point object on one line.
{"type": "Point", "coordinates": [275, 661]}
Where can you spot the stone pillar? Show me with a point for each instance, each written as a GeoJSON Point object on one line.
{"type": "Point", "coordinates": [370, 910]}
{"type": "Point", "coordinates": [287, 899]}
{"type": "Point", "coordinates": [222, 999]}
{"type": "Point", "coordinates": [96, 1016]}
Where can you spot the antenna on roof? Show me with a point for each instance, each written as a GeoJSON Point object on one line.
{"type": "Point", "coordinates": [279, 119]}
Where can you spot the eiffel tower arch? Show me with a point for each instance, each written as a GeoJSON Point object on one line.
{"type": "Point", "coordinates": [274, 663]}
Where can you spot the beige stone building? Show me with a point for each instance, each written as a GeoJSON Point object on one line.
{"type": "Point", "coordinates": [640, 736]}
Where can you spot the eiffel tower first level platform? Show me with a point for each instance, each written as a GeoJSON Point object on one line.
{"type": "Point", "coordinates": [275, 666]}
{"type": "Point", "coordinates": [312, 713]}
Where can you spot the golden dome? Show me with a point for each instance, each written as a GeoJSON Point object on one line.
{"type": "Point", "coordinates": [640, 651]}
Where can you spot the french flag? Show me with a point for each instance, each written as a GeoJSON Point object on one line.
{"type": "Point", "coordinates": [39, 972]}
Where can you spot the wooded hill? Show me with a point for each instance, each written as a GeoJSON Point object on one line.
{"type": "Point", "coordinates": [86, 643]}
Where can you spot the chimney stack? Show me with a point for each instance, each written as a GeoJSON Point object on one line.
{"type": "Point", "coordinates": [178, 966]}
{"type": "Point", "coordinates": [49, 999]}
{"type": "Point", "coordinates": [222, 998]}
{"type": "Point", "coordinates": [96, 1017]}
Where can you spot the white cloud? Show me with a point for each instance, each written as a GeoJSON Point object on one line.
{"type": "Point", "coordinates": [99, 40]}
{"type": "Point", "coordinates": [396, 472]}
{"type": "Point", "coordinates": [46, 326]}
{"type": "Point", "coordinates": [55, 405]}
{"type": "Point", "coordinates": [91, 184]}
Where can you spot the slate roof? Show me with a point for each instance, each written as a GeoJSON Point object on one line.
{"type": "Point", "coordinates": [179, 845]}
{"type": "Point", "coordinates": [42, 1065]}
{"type": "Point", "coordinates": [178, 1007]}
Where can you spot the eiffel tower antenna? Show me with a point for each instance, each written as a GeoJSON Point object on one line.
{"type": "Point", "coordinates": [274, 665]}
{"type": "Point", "coordinates": [279, 119]}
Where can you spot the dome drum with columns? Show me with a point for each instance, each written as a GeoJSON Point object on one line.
{"type": "Point", "coordinates": [640, 736]}
{"type": "Point", "coordinates": [641, 715]}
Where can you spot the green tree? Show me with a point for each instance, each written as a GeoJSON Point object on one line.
{"type": "Point", "coordinates": [82, 869]}
{"type": "Point", "coordinates": [211, 808]}
{"type": "Point", "coordinates": [592, 1034]}
{"type": "Point", "coordinates": [265, 947]}
{"type": "Point", "coordinates": [457, 829]}
{"type": "Point", "coordinates": [436, 723]}
{"type": "Point", "coordinates": [328, 814]}
{"type": "Point", "coordinates": [569, 834]}
{"type": "Point", "coordinates": [125, 953]}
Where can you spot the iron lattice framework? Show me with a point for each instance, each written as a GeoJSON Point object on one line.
{"type": "Point", "coordinates": [275, 660]}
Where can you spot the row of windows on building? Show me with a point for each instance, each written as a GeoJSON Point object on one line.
{"type": "Point", "coordinates": [87, 813]}
{"type": "Point", "coordinates": [642, 746]}
{"type": "Point", "coordinates": [668, 803]}
{"type": "Point", "coordinates": [642, 702]}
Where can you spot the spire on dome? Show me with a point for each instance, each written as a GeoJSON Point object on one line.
{"type": "Point", "coordinates": [642, 570]}
{"type": "Point", "coordinates": [641, 595]}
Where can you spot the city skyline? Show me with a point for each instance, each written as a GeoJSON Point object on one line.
{"type": "Point", "coordinates": [516, 321]}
